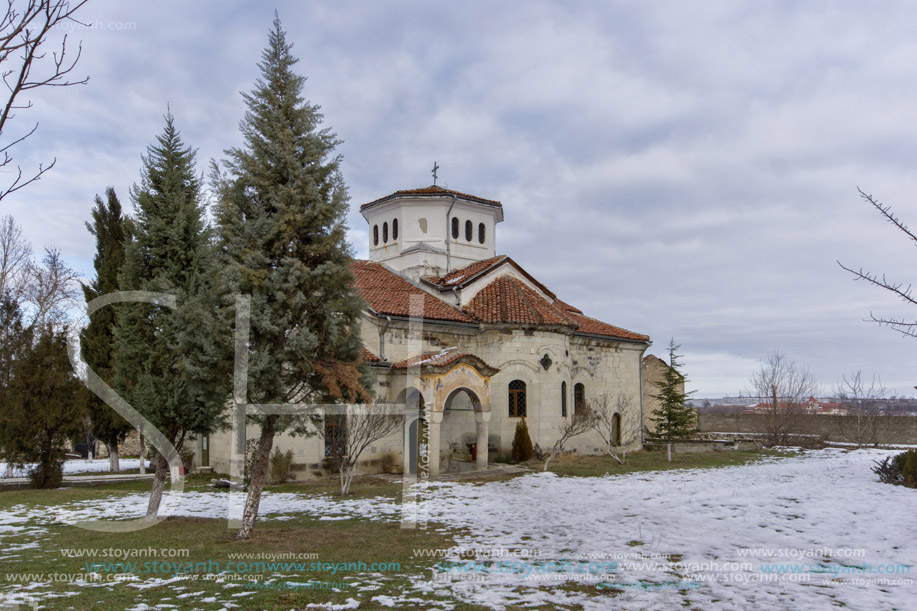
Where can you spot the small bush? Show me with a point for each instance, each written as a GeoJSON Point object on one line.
{"type": "Point", "coordinates": [900, 469]}
{"type": "Point", "coordinates": [522, 443]}
{"type": "Point", "coordinates": [281, 466]}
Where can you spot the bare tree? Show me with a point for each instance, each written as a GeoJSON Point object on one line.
{"type": "Point", "coordinates": [25, 65]}
{"type": "Point", "coordinates": [579, 424]}
{"type": "Point", "coordinates": [52, 289]}
{"type": "Point", "coordinates": [15, 260]}
{"type": "Point", "coordinates": [346, 436]}
{"type": "Point", "coordinates": [865, 421]}
{"type": "Point", "coordinates": [610, 421]}
{"type": "Point", "coordinates": [783, 389]}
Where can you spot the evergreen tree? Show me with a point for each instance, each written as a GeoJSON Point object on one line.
{"type": "Point", "coordinates": [673, 419]}
{"type": "Point", "coordinates": [97, 339]}
{"type": "Point", "coordinates": [281, 211]}
{"type": "Point", "coordinates": [522, 449]}
{"type": "Point", "coordinates": [168, 361]}
{"type": "Point", "coordinates": [44, 407]}
{"type": "Point", "coordinates": [15, 338]}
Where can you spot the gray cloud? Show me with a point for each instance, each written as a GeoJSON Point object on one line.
{"type": "Point", "coordinates": [681, 169]}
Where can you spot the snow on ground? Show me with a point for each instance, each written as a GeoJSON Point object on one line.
{"type": "Point", "coordinates": [698, 538]}
{"type": "Point", "coordinates": [79, 465]}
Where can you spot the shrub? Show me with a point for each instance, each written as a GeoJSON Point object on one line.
{"type": "Point", "coordinates": [522, 443]}
{"type": "Point", "coordinates": [281, 466]}
{"type": "Point", "coordinates": [900, 469]}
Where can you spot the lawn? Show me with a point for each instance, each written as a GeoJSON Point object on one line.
{"type": "Point", "coordinates": [649, 534]}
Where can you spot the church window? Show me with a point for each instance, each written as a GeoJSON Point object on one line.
{"type": "Point", "coordinates": [469, 231]}
{"type": "Point", "coordinates": [375, 235]}
{"type": "Point", "coordinates": [481, 231]}
{"type": "Point", "coordinates": [579, 398]}
{"type": "Point", "coordinates": [385, 233]}
{"type": "Point", "coordinates": [335, 434]}
{"type": "Point", "coordinates": [563, 399]}
{"type": "Point", "coordinates": [517, 399]}
{"type": "Point", "coordinates": [395, 230]}
{"type": "Point", "coordinates": [455, 229]}
{"type": "Point", "coordinates": [423, 225]}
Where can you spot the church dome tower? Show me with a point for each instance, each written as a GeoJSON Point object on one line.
{"type": "Point", "coordinates": [431, 231]}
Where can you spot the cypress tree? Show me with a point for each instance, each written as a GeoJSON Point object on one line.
{"type": "Point", "coordinates": [673, 419]}
{"type": "Point", "coordinates": [280, 213]}
{"type": "Point", "coordinates": [168, 361]}
{"type": "Point", "coordinates": [97, 339]}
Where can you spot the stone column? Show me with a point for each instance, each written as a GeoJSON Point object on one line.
{"type": "Point", "coordinates": [482, 419]}
{"type": "Point", "coordinates": [434, 420]}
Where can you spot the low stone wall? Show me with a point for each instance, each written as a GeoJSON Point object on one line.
{"type": "Point", "coordinates": [696, 447]}
{"type": "Point", "coordinates": [891, 429]}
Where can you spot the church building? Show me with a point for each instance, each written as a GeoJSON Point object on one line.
{"type": "Point", "coordinates": [475, 341]}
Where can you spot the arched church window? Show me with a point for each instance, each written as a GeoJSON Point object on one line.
{"type": "Point", "coordinates": [517, 399]}
{"type": "Point", "coordinates": [481, 231]}
{"type": "Point", "coordinates": [469, 231]}
{"type": "Point", "coordinates": [375, 235]}
{"type": "Point", "coordinates": [455, 228]}
{"type": "Point", "coordinates": [563, 399]}
{"type": "Point", "coordinates": [385, 233]}
{"type": "Point", "coordinates": [579, 398]}
{"type": "Point", "coordinates": [395, 230]}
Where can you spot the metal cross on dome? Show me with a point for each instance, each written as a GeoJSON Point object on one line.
{"type": "Point", "coordinates": [435, 168]}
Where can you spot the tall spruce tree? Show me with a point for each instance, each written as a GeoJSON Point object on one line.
{"type": "Point", "coordinates": [280, 213]}
{"type": "Point", "coordinates": [97, 339]}
{"type": "Point", "coordinates": [674, 419]}
{"type": "Point", "coordinates": [168, 362]}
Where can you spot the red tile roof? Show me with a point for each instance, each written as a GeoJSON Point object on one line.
{"type": "Point", "coordinates": [506, 299]}
{"type": "Point", "coordinates": [388, 293]}
{"type": "Point", "coordinates": [466, 273]}
{"type": "Point", "coordinates": [591, 326]}
{"type": "Point", "coordinates": [566, 307]}
{"type": "Point", "coordinates": [509, 300]}
{"type": "Point", "coordinates": [366, 355]}
{"type": "Point", "coordinates": [443, 359]}
{"type": "Point", "coordinates": [431, 191]}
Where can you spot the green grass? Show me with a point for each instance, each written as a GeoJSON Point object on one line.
{"type": "Point", "coordinates": [347, 541]}
{"type": "Point", "coordinates": [596, 466]}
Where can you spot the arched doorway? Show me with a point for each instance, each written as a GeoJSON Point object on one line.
{"type": "Point", "coordinates": [458, 431]}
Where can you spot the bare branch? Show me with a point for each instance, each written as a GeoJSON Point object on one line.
{"type": "Point", "coordinates": [886, 211]}
{"type": "Point", "coordinates": [22, 34]}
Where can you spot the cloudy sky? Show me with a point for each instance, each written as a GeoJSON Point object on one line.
{"type": "Point", "coordinates": [682, 169]}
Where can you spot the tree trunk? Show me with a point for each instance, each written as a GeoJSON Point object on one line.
{"type": "Point", "coordinates": [615, 456]}
{"type": "Point", "coordinates": [550, 458]}
{"type": "Point", "coordinates": [669, 449]}
{"type": "Point", "coordinates": [113, 464]}
{"type": "Point", "coordinates": [259, 474]}
{"type": "Point", "coordinates": [142, 455]}
{"type": "Point", "coordinates": [159, 483]}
